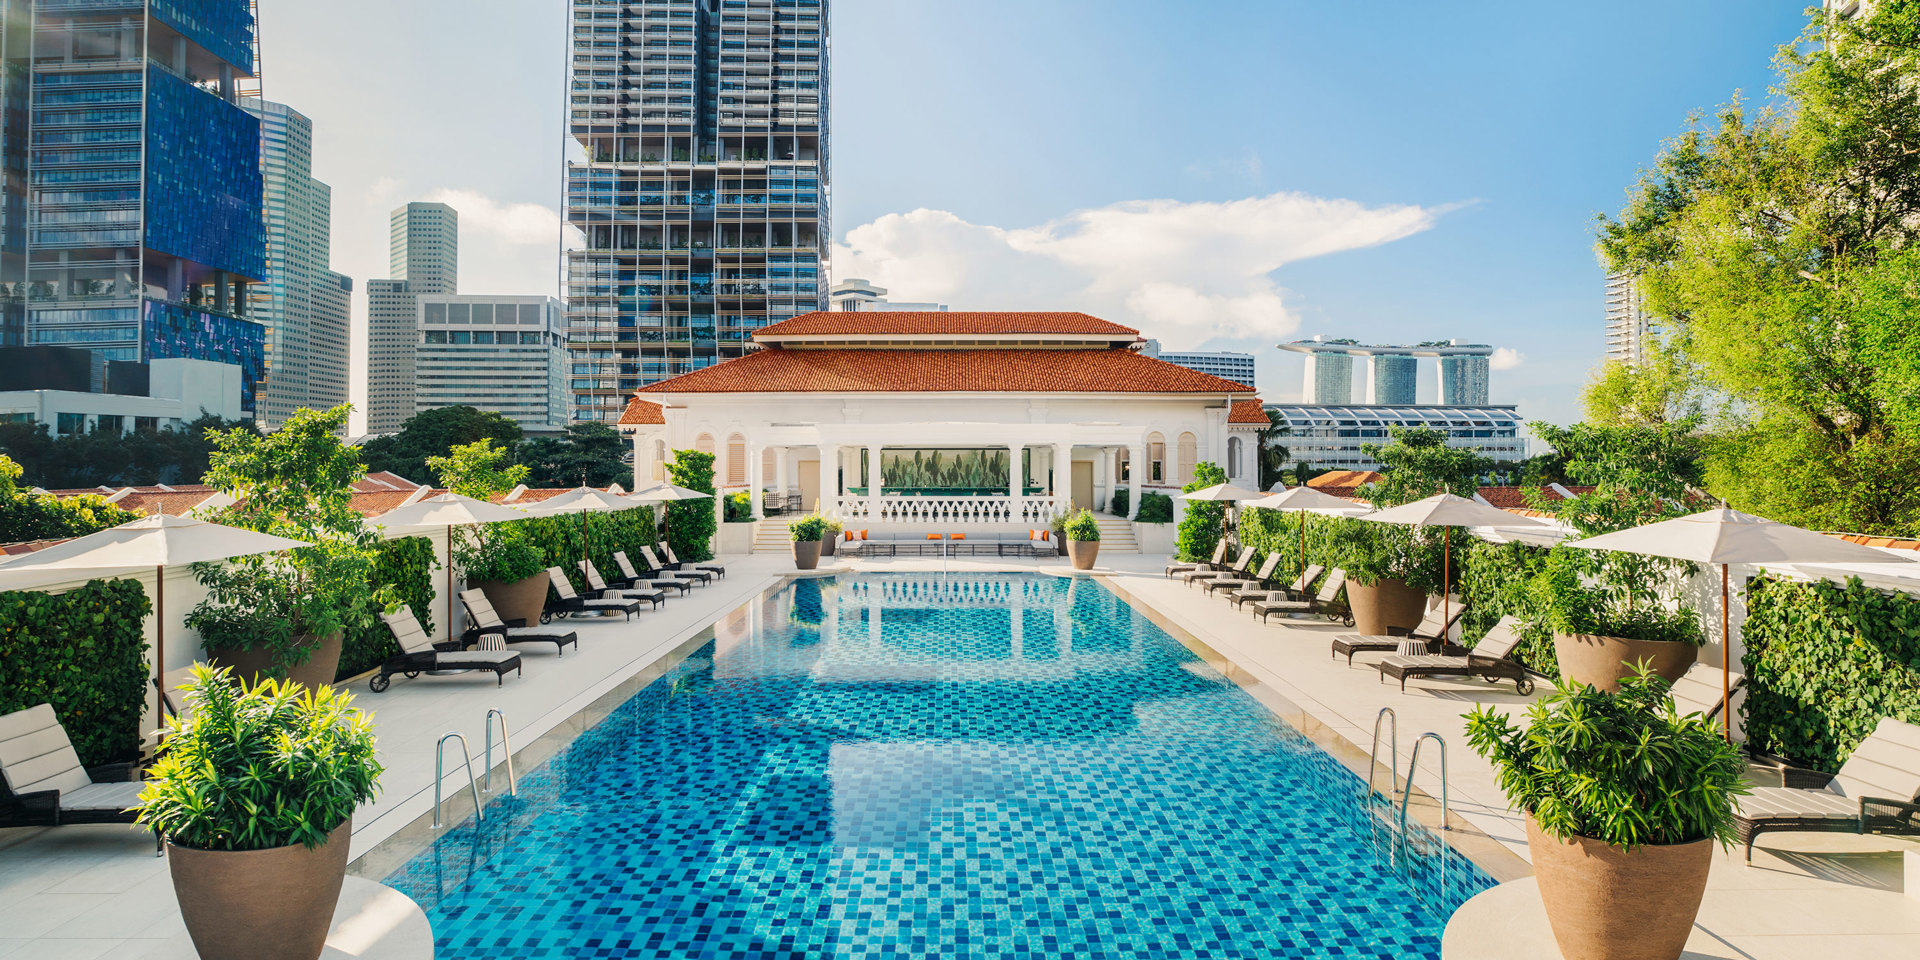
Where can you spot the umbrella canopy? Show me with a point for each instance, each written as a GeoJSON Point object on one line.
{"type": "Point", "coordinates": [582, 500]}
{"type": "Point", "coordinates": [1308, 500]}
{"type": "Point", "coordinates": [666, 493]}
{"type": "Point", "coordinates": [1222, 492]}
{"type": "Point", "coordinates": [448, 510]}
{"type": "Point", "coordinates": [1724, 535]}
{"type": "Point", "coordinates": [156, 541]}
{"type": "Point", "coordinates": [1447, 510]}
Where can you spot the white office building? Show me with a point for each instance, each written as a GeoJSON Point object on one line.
{"type": "Point", "coordinates": [1225, 364]}
{"type": "Point", "coordinates": [423, 249]}
{"type": "Point", "coordinates": [1629, 327]}
{"type": "Point", "coordinates": [179, 391]}
{"type": "Point", "coordinates": [504, 354]}
{"type": "Point", "coordinates": [1332, 435]}
{"type": "Point", "coordinates": [855, 294]}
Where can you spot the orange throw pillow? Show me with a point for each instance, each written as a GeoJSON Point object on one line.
{"type": "Point", "coordinates": [933, 536]}
{"type": "Point", "coordinates": [958, 536]}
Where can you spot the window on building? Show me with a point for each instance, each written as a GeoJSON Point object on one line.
{"type": "Point", "coordinates": [436, 336]}
{"type": "Point", "coordinates": [736, 459]}
{"type": "Point", "coordinates": [1122, 469]}
{"type": "Point", "coordinates": [459, 336]}
{"type": "Point", "coordinates": [68, 423]}
{"type": "Point", "coordinates": [146, 424]}
{"type": "Point", "coordinates": [1187, 451]}
{"type": "Point", "coordinates": [703, 443]}
{"type": "Point", "coordinates": [110, 423]}
{"type": "Point", "coordinates": [483, 336]}
{"type": "Point", "coordinates": [1156, 458]}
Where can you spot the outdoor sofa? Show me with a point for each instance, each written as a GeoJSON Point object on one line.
{"type": "Point", "coordinates": [1876, 791]}
{"type": "Point", "coordinates": [484, 621]}
{"type": "Point", "coordinates": [419, 654]}
{"type": "Point", "coordinates": [1490, 660]}
{"type": "Point", "coordinates": [43, 784]}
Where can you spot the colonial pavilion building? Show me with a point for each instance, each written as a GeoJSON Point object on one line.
{"type": "Point", "coordinates": [971, 419]}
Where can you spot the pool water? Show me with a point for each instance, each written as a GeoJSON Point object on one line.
{"type": "Point", "coordinates": [938, 765]}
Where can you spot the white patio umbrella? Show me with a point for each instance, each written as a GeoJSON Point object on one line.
{"type": "Point", "coordinates": [448, 510]}
{"type": "Point", "coordinates": [583, 500]}
{"type": "Point", "coordinates": [1448, 510]}
{"type": "Point", "coordinates": [1225, 493]}
{"type": "Point", "coordinates": [1305, 500]}
{"type": "Point", "coordinates": [1726, 536]}
{"type": "Point", "coordinates": [159, 542]}
{"type": "Point", "coordinates": [666, 493]}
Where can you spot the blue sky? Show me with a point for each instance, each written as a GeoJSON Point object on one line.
{"type": "Point", "coordinates": [1220, 174]}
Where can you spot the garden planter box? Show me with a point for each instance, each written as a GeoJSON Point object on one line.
{"type": "Point", "coordinates": [1389, 603]}
{"type": "Point", "coordinates": [319, 669]}
{"type": "Point", "coordinates": [1602, 661]}
{"type": "Point", "coordinates": [521, 599]}
{"type": "Point", "coordinates": [1605, 903]}
{"type": "Point", "coordinates": [806, 554]}
{"type": "Point", "coordinates": [245, 904]}
{"type": "Point", "coordinates": [1083, 553]}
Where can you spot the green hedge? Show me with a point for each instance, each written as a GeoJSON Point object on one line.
{"type": "Point", "coordinates": [1824, 663]}
{"type": "Point", "coordinates": [558, 539]}
{"type": "Point", "coordinates": [408, 566]}
{"type": "Point", "coordinates": [1494, 581]}
{"type": "Point", "coordinates": [1117, 502]}
{"type": "Point", "coordinates": [84, 652]}
{"type": "Point", "coordinates": [1155, 508]}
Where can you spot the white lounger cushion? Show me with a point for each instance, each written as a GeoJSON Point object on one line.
{"type": "Point", "coordinates": [1698, 690]}
{"type": "Point", "coordinates": [1886, 764]}
{"type": "Point", "coordinates": [1445, 663]}
{"type": "Point", "coordinates": [1768, 802]}
{"type": "Point", "coordinates": [458, 657]}
{"type": "Point", "coordinates": [101, 796]}
{"type": "Point", "coordinates": [36, 755]}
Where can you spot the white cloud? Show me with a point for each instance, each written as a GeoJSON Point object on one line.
{"type": "Point", "coordinates": [525, 224]}
{"type": "Point", "coordinates": [1187, 271]}
{"type": "Point", "coordinates": [1506, 358]}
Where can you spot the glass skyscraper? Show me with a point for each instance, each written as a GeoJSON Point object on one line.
{"type": "Point", "coordinates": [697, 179]}
{"type": "Point", "coordinates": [135, 177]}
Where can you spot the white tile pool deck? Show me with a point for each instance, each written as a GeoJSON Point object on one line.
{"type": "Point", "coordinates": [98, 891]}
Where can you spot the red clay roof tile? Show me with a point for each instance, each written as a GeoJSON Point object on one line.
{"type": "Point", "coordinates": [641, 412]}
{"type": "Point", "coordinates": [1248, 411]}
{"type": "Point", "coordinates": [961, 323]}
{"type": "Point", "coordinates": [946, 371]}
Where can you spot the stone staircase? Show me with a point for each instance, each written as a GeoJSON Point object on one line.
{"type": "Point", "coordinates": [1116, 534]}
{"type": "Point", "coordinates": [771, 536]}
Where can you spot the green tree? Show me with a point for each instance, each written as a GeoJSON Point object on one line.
{"type": "Point", "coordinates": [1779, 244]}
{"type": "Point", "coordinates": [1419, 463]}
{"type": "Point", "coordinates": [691, 523]}
{"type": "Point", "coordinates": [479, 469]}
{"type": "Point", "coordinates": [434, 433]}
{"type": "Point", "coordinates": [589, 453]}
{"type": "Point", "coordinates": [1205, 522]}
{"type": "Point", "coordinates": [25, 516]}
{"type": "Point", "coordinates": [1661, 389]}
{"type": "Point", "coordinates": [1272, 454]}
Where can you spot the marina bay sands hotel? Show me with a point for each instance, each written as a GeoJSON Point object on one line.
{"type": "Point", "coordinates": [1393, 372]}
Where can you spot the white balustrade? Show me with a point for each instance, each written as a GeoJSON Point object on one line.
{"type": "Point", "coordinates": [950, 511]}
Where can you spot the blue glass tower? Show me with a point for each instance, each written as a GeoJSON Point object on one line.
{"type": "Point", "coordinates": [142, 192]}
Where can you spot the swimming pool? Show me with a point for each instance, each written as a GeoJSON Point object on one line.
{"type": "Point", "coordinates": [936, 765]}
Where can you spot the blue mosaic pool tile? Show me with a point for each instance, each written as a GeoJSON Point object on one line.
{"type": "Point", "coordinates": [939, 766]}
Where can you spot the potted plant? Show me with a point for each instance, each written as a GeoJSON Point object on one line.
{"type": "Point", "coordinates": [831, 537]}
{"type": "Point", "coordinates": [1607, 622]}
{"type": "Point", "coordinates": [284, 615]}
{"type": "Point", "coordinates": [1083, 539]}
{"type": "Point", "coordinates": [255, 795]}
{"type": "Point", "coordinates": [500, 560]}
{"type": "Point", "coordinates": [806, 533]}
{"type": "Point", "coordinates": [1389, 571]}
{"type": "Point", "coordinates": [1624, 799]}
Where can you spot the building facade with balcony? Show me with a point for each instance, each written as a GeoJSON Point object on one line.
{"type": "Point", "coordinates": [697, 179]}
{"type": "Point", "coordinates": [960, 420]}
{"type": "Point", "coordinates": [503, 354]}
{"type": "Point", "coordinates": [133, 196]}
{"type": "Point", "coordinates": [1629, 326]}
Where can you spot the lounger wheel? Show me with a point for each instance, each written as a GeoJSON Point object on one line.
{"type": "Point", "coordinates": [546, 616]}
{"type": "Point", "coordinates": [379, 683]}
{"type": "Point", "coordinates": [412, 674]}
{"type": "Point", "coordinates": [1523, 686]}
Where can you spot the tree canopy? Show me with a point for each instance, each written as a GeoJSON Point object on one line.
{"type": "Point", "coordinates": [434, 433]}
{"type": "Point", "coordinates": [109, 458]}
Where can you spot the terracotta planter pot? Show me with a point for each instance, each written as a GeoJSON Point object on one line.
{"type": "Point", "coordinates": [1389, 603]}
{"type": "Point", "coordinates": [521, 599]}
{"type": "Point", "coordinates": [829, 542]}
{"type": "Point", "coordinates": [806, 554]}
{"type": "Point", "coordinates": [1603, 661]}
{"type": "Point", "coordinates": [319, 669]}
{"type": "Point", "coordinates": [252, 903]}
{"type": "Point", "coordinates": [1608, 904]}
{"type": "Point", "coordinates": [1083, 553]}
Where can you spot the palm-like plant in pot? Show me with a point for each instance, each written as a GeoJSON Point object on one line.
{"type": "Point", "coordinates": [806, 533]}
{"type": "Point", "coordinates": [255, 794]}
{"type": "Point", "coordinates": [1624, 798]}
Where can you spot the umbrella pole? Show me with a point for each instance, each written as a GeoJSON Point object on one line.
{"type": "Point", "coordinates": [1446, 590]}
{"type": "Point", "coordinates": [449, 581]}
{"type": "Point", "coordinates": [160, 643]}
{"type": "Point", "coordinates": [1726, 659]}
{"type": "Point", "coordinates": [1303, 551]}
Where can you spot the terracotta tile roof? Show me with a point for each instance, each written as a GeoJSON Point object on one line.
{"type": "Point", "coordinates": [1894, 543]}
{"type": "Point", "coordinates": [926, 323]}
{"type": "Point", "coordinates": [1515, 497]}
{"type": "Point", "coordinates": [1248, 411]}
{"type": "Point", "coordinates": [946, 371]}
{"type": "Point", "coordinates": [1343, 479]}
{"type": "Point", "coordinates": [643, 413]}
{"type": "Point", "coordinates": [171, 504]}
{"type": "Point", "coordinates": [385, 480]}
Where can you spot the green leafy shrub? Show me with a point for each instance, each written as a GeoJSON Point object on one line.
{"type": "Point", "coordinates": [808, 529]}
{"type": "Point", "coordinates": [403, 569]}
{"type": "Point", "coordinates": [1155, 508]}
{"type": "Point", "coordinates": [1626, 769]}
{"type": "Point", "coordinates": [1824, 663]}
{"type": "Point", "coordinates": [24, 516]}
{"type": "Point", "coordinates": [1568, 600]}
{"type": "Point", "coordinates": [1117, 501]}
{"type": "Point", "coordinates": [1204, 522]}
{"type": "Point", "coordinates": [1496, 580]}
{"type": "Point", "coordinates": [84, 652]}
{"type": "Point", "coordinates": [271, 766]}
{"type": "Point", "coordinates": [690, 523]}
{"type": "Point", "coordinates": [1082, 527]}
{"type": "Point", "coordinates": [479, 469]}
{"type": "Point", "coordinates": [498, 551]}
{"type": "Point", "coordinates": [739, 507]}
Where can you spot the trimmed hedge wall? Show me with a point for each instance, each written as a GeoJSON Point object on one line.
{"type": "Point", "coordinates": [1824, 663]}
{"type": "Point", "coordinates": [558, 538]}
{"type": "Point", "coordinates": [406, 564]}
{"type": "Point", "coordinates": [84, 652]}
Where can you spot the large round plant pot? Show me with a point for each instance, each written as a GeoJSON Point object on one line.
{"type": "Point", "coordinates": [1389, 603]}
{"type": "Point", "coordinates": [1604, 661]}
{"type": "Point", "coordinates": [521, 599]}
{"type": "Point", "coordinates": [1605, 903]}
{"type": "Point", "coordinates": [806, 554]}
{"type": "Point", "coordinates": [241, 905]}
{"type": "Point", "coordinates": [1083, 553]}
{"type": "Point", "coordinates": [319, 668]}
{"type": "Point", "coordinates": [828, 542]}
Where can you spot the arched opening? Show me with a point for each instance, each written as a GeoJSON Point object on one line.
{"type": "Point", "coordinates": [1233, 458]}
{"type": "Point", "coordinates": [736, 460]}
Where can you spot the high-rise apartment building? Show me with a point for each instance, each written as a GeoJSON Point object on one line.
{"type": "Point", "coordinates": [855, 294]}
{"type": "Point", "coordinates": [1629, 327]}
{"type": "Point", "coordinates": [131, 221]}
{"type": "Point", "coordinates": [306, 346]}
{"type": "Point", "coordinates": [1329, 377]}
{"type": "Point", "coordinates": [1226, 364]}
{"type": "Point", "coordinates": [423, 247]}
{"type": "Point", "coordinates": [504, 354]}
{"type": "Point", "coordinates": [698, 181]}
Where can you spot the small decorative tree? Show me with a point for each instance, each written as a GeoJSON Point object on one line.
{"type": "Point", "coordinates": [495, 552]}
{"type": "Point", "coordinates": [691, 523]}
{"type": "Point", "coordinates": [1205, 522]}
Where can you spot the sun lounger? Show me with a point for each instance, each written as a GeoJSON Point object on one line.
{"type": "Point", "coordinates": [701, 577]}
{"type": "Point", "coordinates": [1326, 603]}
{"type": "Point", "coordinates": [568, 602]}
{"type": "Point", "coordinates": [485, 621]}
{"type": "Point", "coordinates": [1488, 660]}
{"type": "Point", "coordinates": [1875, 792]}
{"type": "Point", "coordinates": [43, 784]}
{"type": "Point", "coordinates": [1699, 691]}
{"type": "Point", "coordinates": [634, 578]}
{"type": "Point", "coordinates": [652, 596]}
{"type": "Point", "coordinates": [419, 654]}
{"type": "Point", "coordinates": [1430, 629]}
{"type": "Point", "coordinates": [1299, 589]}
{"type": "Point", "coordinates": [673, 562]}
{"type": "Point", "coordinates": [1236, 583]}
{"type": "Point", "coordinates": [1219, 554]}
{"type": "Point", "coordinates": [1236, 570]}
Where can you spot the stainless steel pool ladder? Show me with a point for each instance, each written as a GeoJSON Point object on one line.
{"type": "Point", "coordinates": [513, 784]}
{"type": "Point", "coordinates": [1413, 763]}
{"type": "Point", "coordinates": [439, 773]}
{"type": "Point", "coordinates": [1393, 758]}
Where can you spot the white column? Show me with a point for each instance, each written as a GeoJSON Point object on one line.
{"type": "Point", "coordinates": [780, 455]}
{"type": "Point", "coordinates": [829, 479]}
{"type": "Point", "coordinates": [1062, 476]}
{"type": "Point", "coordinates": [874, 481]}
{"type": "Point", "coordinates": [1016, 483]}
{"type": "Point", "coordinates": [754, 480]}
{"type": "Point", "coordinates": [1136, 470]}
